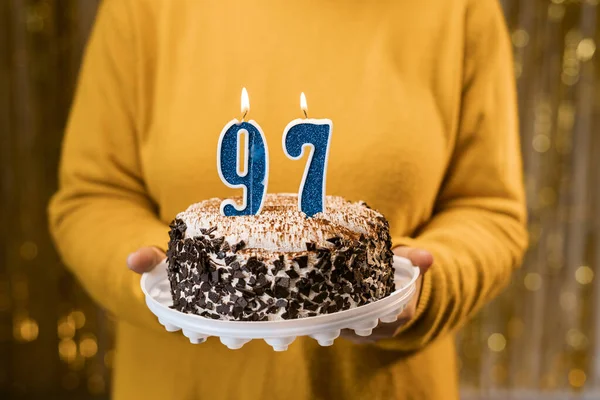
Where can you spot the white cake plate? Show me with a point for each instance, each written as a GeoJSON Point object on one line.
{"type": "Point", "coordinates": [279, 334]}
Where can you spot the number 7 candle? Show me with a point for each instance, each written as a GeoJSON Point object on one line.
{"type": "Point", "coordinates": [252, 173]}
{"type": "Point", "coordinates": [315, 135]}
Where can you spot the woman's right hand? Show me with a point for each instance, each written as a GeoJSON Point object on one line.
{"type": "Point", "coordinates": [145, 259]}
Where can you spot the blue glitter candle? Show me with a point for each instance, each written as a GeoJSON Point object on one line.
{"type": "Point", "coordinates": [314, 134]}
{"type": "Point", "coordinates": [254, 176]}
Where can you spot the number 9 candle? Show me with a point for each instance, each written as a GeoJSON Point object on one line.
{"type": "Point", "coordinates": [253, 177]}
{"type": "Point", "coordinates": [315, 135]}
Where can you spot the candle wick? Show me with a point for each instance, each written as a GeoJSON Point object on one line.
{"type": "Point", "coordinates": [305, 113]}
{"type": "Point", "coordinates": [244, 115]}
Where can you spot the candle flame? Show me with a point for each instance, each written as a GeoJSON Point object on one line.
{"type": "Point", "coordinates": [245, 103]}
{"type": "Point", "coordinates": [303, 104]}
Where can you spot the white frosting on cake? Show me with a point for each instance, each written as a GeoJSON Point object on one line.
{"type": "Point", "coordinates": [281, 226]}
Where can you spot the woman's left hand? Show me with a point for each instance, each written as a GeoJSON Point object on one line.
{"type": "Point", "coordinates": [420, 258]}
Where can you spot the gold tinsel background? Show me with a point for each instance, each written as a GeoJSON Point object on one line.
{"type": "Point", "coordinates": [540, 340]}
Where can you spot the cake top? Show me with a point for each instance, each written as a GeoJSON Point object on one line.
{"type": "Point", "coordinates": [280, 226]}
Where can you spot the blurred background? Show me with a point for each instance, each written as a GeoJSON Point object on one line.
{"type": "Point", "coordinates": [539, 340]}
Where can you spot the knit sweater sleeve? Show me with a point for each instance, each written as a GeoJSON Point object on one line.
{"type": "Point", "coordinates": [478, 231]}
{"type": "Point", "coordinates": [102, 210]}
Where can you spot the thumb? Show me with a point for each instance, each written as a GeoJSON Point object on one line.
{"type": "Point", "coordinates": [145, 259]}
{"type": "Point", "coordinates": [420, 258]}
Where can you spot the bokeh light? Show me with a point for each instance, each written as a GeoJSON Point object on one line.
{"type": "Point", "coordinates": [28, 250]}
{"type": "Point", "coordinates": [556, 12]}
{"type": "Point", "coordinates": [576, 339]}
{"type": "Point", "coordinates": [78, 318]}
{"type": "Point", "coordinates": [66, 328]}
{"type": "Point", "coordinates": [26, 330]}
{"type": "Point", "coordinates": [520, 38]}
{"type": "Point", "coordinates": [96, 384]}
{"type": "Point", "coordinates": [77, 363]}
{"type": "Point", "coordinates": [568, 301]}
{"type": "Point", "coordinates": [577, 378]}
{"type": "Point", "coordinates": [586, 49]}
{"type": "Point", "coordinates": [496, 342]}
{"type": "Point", "coordinates": [541, 143]}
{"type": "Point", "coordinates": [532, 281]}
{"type": "Point", "coordinates": [584, 275]}
{"type": "Point", "coordinates": [88, 346]}
{"type": "Point", "coordinates": [67, 350]}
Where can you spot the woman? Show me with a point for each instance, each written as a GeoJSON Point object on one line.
{"type": "Point", "coordinates": [425, 130]}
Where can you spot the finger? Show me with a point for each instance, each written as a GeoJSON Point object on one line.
{"type": "Point", "coordinates": [145, 259]}
{"type": "Point", "coordinates": [421, 258]}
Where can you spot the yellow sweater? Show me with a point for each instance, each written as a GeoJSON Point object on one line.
{"type": "Point", "coordinates": [422, 99]}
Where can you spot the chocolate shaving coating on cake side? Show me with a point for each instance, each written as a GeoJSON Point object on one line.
{"type": "Point", "coordinates": [278, 264]}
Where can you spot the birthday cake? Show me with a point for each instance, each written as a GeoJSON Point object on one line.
{"type": "Point", "coordinates": [278, 264]}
